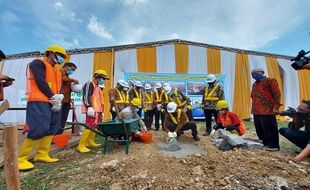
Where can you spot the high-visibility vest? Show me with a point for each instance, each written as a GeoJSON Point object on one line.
{"type": "Point", "coordinates": [123, 97]}
{"type": "Point", "coordinates": [138, 94]}
{"type": "Point", "coordinates": [149, 97]}
{"type": "Point", "coordinates": [158, 97]}
{"type": "Point", "coordinates": [96, 100]}
{"type": "Point", "coordinates": [209, 96]}
{"type": "Point", "coordinates": [176, 120]}
{"type": "Point", "coordinates": [53, 78]}
{"type": "Point", "coordinates": [226, 121]}
{"type": "Point", "coordinates": [177, 100]}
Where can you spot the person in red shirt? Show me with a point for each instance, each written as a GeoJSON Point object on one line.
{"type": "Point", "coordinates": [266, 97]}
{"type": "Point", "coordinates": [228, 120]}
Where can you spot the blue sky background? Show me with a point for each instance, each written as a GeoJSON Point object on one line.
{"type": "Point", "coordinates": [273, 26]}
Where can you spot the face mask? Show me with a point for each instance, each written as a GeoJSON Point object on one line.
{"type": "Point", "coordinates": [70, 72]}
{"type": "Point", "coordinates": [101, 81]}
{"type": "Point", "coordinates": [136, 110]}
{"type": "Point", "coordinates": [58, 59]}
{"type": "Point", "coordinates": [258, 77]}
{"type": "Point", "coordinates": [222, 112]}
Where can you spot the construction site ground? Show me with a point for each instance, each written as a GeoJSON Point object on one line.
{"type": "Point", "coordinates": [145, 168]}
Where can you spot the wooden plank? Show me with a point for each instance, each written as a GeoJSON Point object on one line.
{"type": "Point", "coordinates": [10, 153]}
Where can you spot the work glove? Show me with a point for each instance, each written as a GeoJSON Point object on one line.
{"type": "Point", "coordinates": [230, 128]}
{"type": "Point", "coordinates": [170, 135]}
{"type": "Point", "coordinates": [90, 112]}
{"type": "Point", "coordinates": [174, 134]}
{"type": "Point", "coordinates": [158, 107]}
{"type": "Point", "coordinates": [56, 99]}
{"type": "Point", "coordinates": [216, 127]}
{"type": "Point", "coordinates": [56, 107]}
{"type": "Point", "coordinates": [113, 109]}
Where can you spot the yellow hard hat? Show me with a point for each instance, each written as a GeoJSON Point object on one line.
{"type": "Point", "coordinates": [57, 49]}
{"type": "Point", "coordinates": [222, 104]}
{"type": "Point", "coordinates": [101, 72]}
{"type": "Point", "coordinates": [136, 102]}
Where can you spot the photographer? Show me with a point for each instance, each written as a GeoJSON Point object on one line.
{"type": "Point", "coordinates": [5, 81]}
{"type": "Point", "coordinates": [300, 138]}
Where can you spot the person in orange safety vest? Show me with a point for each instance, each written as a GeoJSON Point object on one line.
{"type": "Point", "coordinates": [228, 120]}
{"type": "Point", "coordinates": [93, 108]}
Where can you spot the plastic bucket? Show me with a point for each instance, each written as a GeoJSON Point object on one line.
{"type": "Point", "coordinates": [61, 140]}
{"type": "Point", "coordinates": [146, 137]}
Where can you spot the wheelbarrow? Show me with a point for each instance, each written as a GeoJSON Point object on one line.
{"type": "Point", "coordinates": [114, 128]}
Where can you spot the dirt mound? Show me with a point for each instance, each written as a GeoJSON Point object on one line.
{"type": "Point", "coordinates": [145, 168]}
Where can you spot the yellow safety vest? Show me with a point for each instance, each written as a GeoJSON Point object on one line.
{"type": "Point", "coordinates": [208, 96]}
{"type": "Point", "coordinates": [178, 100]}
{"type": "Point", "coordinates": [149, 99]}
{"type": "Point", "coordinates": [176, 120]}
{"type": "Point", "coordinates": [138, 94]}
{"type": "Point", "coordinates": [124, 98]}
{"type": "Point", "coordinates": [158, 97]}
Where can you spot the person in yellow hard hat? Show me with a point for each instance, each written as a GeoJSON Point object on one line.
{"type": "Point", "coordinates": [131, 111]}
{"type": "Point", "coordinates": [228, 120]}
{"type": "Point", "coordinates": [43, 90]}
{"type": "Point", "coordinates": [93, 108]}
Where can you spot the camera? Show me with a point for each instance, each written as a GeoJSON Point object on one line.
{"type": "Point", "coordinates": [300, 60]}
{"type": "Point", "coordinates": [291, 112]}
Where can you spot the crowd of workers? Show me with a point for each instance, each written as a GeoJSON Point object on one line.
{"type": "Point", "coordinates": [49, 90]}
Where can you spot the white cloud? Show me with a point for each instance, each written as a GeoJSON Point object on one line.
{"type": "Point", "coordinates": [10, 21]}
{"type": "Point", "coordinates": [98, 28]}
{"type": "Point", "coordinates": [133, 2]}
{"type": "Point", "coordinates": [174, 36]}
{"type": "Point", "coordinates": [64, 11]}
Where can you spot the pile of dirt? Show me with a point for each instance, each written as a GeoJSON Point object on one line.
{"type": "Point", "coordinates": [145, 167]}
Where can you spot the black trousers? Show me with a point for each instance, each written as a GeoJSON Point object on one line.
{"type": "Point", "coordinates": [148, 118]}
{"type": "Point", "coordinates": [140, 112]}
{"type": "Point", "coordinates": [208, 115]}
{"type": "Point", "coordinates": [65, 108]}
{"type": "Point", "coordinates": [189, 114]}
{"type": "Point", "coordinates": [159, 115]}
{"type": "Point", "coordinates": [266, 127]}
{"type": "Point", "coordinates": [191, 125]}
{"type": "Point", "coordinates": [114, 114]}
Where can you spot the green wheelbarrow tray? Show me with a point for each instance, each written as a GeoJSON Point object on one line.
{"type": "Point", "coordinates": [114, 128]}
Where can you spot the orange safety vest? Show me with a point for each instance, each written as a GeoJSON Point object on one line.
{"type": "Point", "coordinates": [96, 100]}
{"type": "Point", "coordinates": [53, 78]}
{"type": "Point", "coordinates": [226, 121]}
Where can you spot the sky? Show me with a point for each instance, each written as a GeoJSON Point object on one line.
{"type": "Point", "coordinates": [273, 26]}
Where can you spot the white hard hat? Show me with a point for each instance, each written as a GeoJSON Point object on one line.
{"type": "Point", "coordinates": [158, 85]}
{"type": "Point", "coordinates": [167, 89]}
{"type": "Point", "coordinates": [166, 84]}
{"type": "Point", "coordinates": [171, 107]}
{"type": "Point", "coordinates": [138, 84]}
{"type": "Point", "coordinates": [147, 87]}
{"type": "Point", "coordinates": [257, 70]}
{"type": "Point", "coordinates": [123, 83]}
{"type": "Point", "coordinates": [211, 78]}
{"type": "Point", "coordinates": [76, 88]}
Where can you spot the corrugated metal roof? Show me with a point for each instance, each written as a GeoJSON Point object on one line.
{"type": "Point", "coordinates": [150, 44]}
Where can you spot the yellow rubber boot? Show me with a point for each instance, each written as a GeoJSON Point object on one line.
{"type": "Point", "coordinates": [25, 151]}
{"type": "Point", "coordinates": [83, 139]}
{"type": "Point", "coordinates": [91, 140]}
{"type": "Point", "coordinates": [42, 154]}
